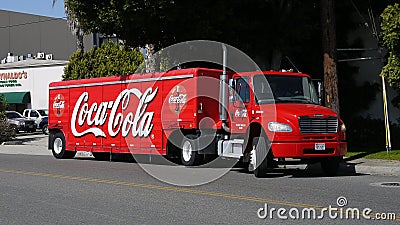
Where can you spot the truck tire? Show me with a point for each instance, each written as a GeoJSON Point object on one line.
{"type": "Point", "coordinates": [330, 165]}
{"type": "Point", "coordinates": [189, 153]}
{"type": "Point", "coordinates": [58, 147]}
{"type": "Point", "coordinates": [261, 151]}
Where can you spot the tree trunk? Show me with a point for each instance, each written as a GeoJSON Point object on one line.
{"type": "Point", "coordinates": [329, 53]}
{"type": "Point", "coordinates": [79, 40]}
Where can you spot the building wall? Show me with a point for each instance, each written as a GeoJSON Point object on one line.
{"type": "Point", "coordinates": [36, 82]}
{"type": "Point", "coordinates": [22, 33]}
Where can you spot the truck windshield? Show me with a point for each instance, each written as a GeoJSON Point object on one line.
{"type": "Point", "coordinates": [284, 89]}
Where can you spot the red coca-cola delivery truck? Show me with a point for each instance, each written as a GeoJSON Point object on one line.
{"type": "Point", "coordinates": [194, 114]}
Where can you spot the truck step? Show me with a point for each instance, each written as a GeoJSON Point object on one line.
{"type": "Point", "coordinates": [231, 148]}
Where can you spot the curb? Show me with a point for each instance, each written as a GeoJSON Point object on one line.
{"type": "Point", "coordinates": [378, 170]}
{"type": "Point", "coordinates": [353, 167]}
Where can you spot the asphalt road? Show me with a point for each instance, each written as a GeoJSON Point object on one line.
{"type": "Point", "coordinates": [38, 189]}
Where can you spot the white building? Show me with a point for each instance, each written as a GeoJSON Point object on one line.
{"type": "Point", "coordinates": [25, 84]}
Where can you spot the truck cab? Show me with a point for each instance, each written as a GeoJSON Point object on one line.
{"type": "Point", "coordinates": [283, 109]}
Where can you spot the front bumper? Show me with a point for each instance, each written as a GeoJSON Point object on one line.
{"type": "Point", "coordinates": [307, 149]}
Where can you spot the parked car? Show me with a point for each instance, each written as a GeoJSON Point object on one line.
{"type": "Point", "coordinates": [20, 123]}
{"type": "Point", "coordinates": [43, 125]}
{"type": "Point", "coordinates": [36, 114]}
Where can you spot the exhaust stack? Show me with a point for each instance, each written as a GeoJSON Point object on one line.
{"type": "Point", "coordinates": [223, 103]}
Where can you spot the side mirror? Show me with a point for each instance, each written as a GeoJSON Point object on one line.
{"type": "Point", "coordinates": [232, 92]}
{"type": "Point", "coordinates": [319, 86]}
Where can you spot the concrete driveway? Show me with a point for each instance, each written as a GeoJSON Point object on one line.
{"type": "Point", "coordinates": [28, 144]}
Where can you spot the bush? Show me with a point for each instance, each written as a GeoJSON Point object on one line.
{"type": "Point", "coordinates": [6, 132]}
{"type": "Point", "coordinates": [110, 59]}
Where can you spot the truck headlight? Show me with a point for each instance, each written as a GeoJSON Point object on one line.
{"type": "Point", "coordinates": [21, 123]}
{"type": "Point", "coordinates": [279, 127]}
{"type": "Point", "coordinates": [343, 127]}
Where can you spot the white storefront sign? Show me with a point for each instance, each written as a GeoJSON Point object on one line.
{"type": "Point", "coordinates": [33, 79]}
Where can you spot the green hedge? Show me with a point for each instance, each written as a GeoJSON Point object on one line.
{"type": "Point", "coordinates": [110, 59]}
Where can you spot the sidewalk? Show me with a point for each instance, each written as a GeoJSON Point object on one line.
{"type": "Point", "coordinates": [373, 166]}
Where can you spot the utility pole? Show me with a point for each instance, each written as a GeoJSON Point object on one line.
{"type": "Point", "coordinates": [328, 27]}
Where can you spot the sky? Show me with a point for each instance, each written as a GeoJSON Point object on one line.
{"type": "Point", "coordinates": [36, 7]}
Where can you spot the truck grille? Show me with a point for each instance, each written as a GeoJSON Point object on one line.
{"type": "Point", "coordinates": [308, 125]}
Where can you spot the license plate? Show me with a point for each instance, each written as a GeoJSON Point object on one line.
{"type": "Point", "coordinates": [319, 146]}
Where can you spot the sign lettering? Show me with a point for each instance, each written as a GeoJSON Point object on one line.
{"type": "Point", "coordinates": [138, 123]}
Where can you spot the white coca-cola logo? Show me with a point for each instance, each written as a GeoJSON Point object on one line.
{"type": "Point", "coordinates": [180, 99]}
{"type": "Point", "coordinates": [58, 105]}
{"type": "Point", "coordinates": [137, 123]}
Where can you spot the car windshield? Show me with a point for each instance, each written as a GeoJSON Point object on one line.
{"type": "Point", "coordinates": [282, 88]}
{"type": "Point", "coordinates": [42, 112]}
{"type": "Point", "coordinates": [13, 115]}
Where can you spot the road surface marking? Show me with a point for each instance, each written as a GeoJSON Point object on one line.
{"type": "Point", "coordinates": [166, 188]}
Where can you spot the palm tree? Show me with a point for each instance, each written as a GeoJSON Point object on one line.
{"type": "Point", "coordinates": [73, 24]}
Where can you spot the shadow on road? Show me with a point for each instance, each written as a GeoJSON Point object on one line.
{"type": "Point", "coordinates": [28, 137]}
{"type": "Point", "coordinates": [310, 171]}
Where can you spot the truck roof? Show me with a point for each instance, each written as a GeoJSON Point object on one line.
{"type": "Point", "coordinates": [272, 72]}
{"type": "Point", "coordinates": [155, 75]}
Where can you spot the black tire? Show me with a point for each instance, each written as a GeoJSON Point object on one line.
{"type": "Point", "coordinates": [58, 147]}
{"type": "Point", "coordinates": [15, 129]}
{"type": "Point", "coordinates": [189, 153]}
{"type": "Point", "coordinates": [261, 146]}
{"type": "Point", "coordinates": [101, 156]}
{"type": "Point", "coordinates": [45, 129]}
{"type": "Point", "coordinates": [330, 166]}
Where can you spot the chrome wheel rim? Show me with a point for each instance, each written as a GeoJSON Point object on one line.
{"type": "Point", "coordinates": [187, 151]}
{"type": "Point", "coordinates": [58, 145]}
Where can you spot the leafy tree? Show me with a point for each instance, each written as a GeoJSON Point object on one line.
{"type": "Point", "coordinates": [391, 40]}
{"type": "Point", "coordinates": [110, 59]}
{"type": "Point", "coordinates": [262, 28]}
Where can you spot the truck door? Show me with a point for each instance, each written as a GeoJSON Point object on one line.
{"type": "Point", "coordinates": [75, 142]}
{"type": "Point", "coordinates": [113, 141]}
{"type": "Point", "coordinates": [239, 104]}
{"type": "Point", "coordinates": [92, 142]}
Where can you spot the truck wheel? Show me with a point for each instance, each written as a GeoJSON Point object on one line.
{"type": "Point", "coordinates": [189, 154]}
{"type": "Point", "coordinates": [330, 165]}
{"type": "Point", "coordinates": [259, 156]}
{"type": "Point", "coordinates": [58, 147]}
